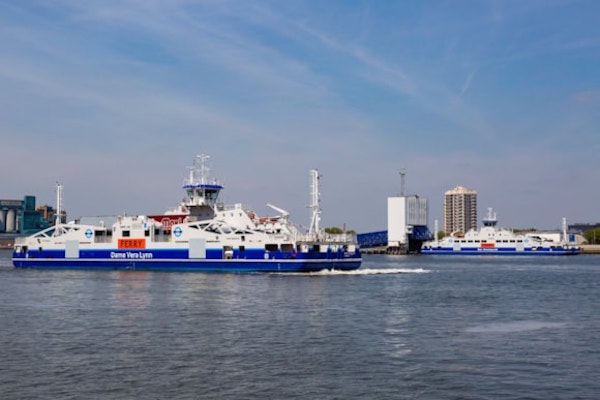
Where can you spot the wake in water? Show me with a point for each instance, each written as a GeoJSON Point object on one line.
{"type": "Point", "coordinates": [366, 271]}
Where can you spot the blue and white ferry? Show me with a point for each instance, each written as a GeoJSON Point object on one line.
{"type": "Point", "coordinates": [490, 240]}
{"type": "Point", "coordinates": [203, 234]}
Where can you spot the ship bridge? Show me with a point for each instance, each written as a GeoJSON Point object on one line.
{"type": "Point", "coordinates": [199, 191]}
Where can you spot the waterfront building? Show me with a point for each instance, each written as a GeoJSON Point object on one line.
{"type": "Point", "coordinates": [460, 210]}
{"type": "Point", "coordinates": [407, 223]}
{"type": "Point", "coordinates": [21, 217]}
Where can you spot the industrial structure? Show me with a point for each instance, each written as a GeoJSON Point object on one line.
{"type": "Point", "coordinates": [22, 217]}
{"type": "Point", "coordinates": [460, 210]}
{"type": "Point", "coordinates": [407, 224]}
{"type": "Point", "coordinates": [407, 217]}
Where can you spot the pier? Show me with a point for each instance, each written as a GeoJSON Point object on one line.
{"type": "Point", "coordinates": [590, 248]}
{"type": "Point", "coordinates": [384, 250]}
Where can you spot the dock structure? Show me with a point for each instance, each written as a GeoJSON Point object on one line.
{"type": "Point", "coordinates": [384, 250]}
{"type": "Point", "coordinates": [590, 248]}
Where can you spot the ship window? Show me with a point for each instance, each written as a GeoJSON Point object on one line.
{"type": "Point", "coordinates": [287, 247]}
{"type": "Point", "coordinates": [212, 229]}
{"type": "Point", "coordinates": [271, 247]}
{"type": "Point", "coordinates": [242, 248]}
{"type": "Point", "coordinates": [125, 233]}
{"type": "Point", "coordinates": [147, 233]}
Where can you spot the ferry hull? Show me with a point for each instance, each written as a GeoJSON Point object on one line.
{"type": "Point", "coordinates": [500, 252]}
{"type": "Point", "coordinates": [179, 261]}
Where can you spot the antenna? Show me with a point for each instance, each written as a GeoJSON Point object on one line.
{"type": "Point", "coordinates": [402, 176]}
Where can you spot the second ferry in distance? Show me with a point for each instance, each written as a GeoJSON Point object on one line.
{"type": "Point", "coordinates": [490, 240]}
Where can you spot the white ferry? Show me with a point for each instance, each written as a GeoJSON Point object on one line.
{"type": "Point", "coordinates": [490, 240]}
{"type": "Point", "coordinates": [202, 234]}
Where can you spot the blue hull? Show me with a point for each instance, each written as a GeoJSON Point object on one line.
{"type": "Point", "coordinates": [178, 260]}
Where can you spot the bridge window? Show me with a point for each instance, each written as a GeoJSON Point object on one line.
{"type": "Point", "coordinates": [271, 247]}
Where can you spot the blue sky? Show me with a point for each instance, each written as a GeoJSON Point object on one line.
{"type": "Point", "coordinates": [115, 98]}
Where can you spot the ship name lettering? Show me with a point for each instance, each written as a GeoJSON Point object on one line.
{"type": "Point", "coordinates": [138, 255]}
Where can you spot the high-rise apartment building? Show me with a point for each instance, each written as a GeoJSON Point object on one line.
{"type": "Point", "coordinates": [460, 210]}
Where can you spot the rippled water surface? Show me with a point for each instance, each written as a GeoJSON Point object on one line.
{"type": "Point", "coordinates": [417, 327]}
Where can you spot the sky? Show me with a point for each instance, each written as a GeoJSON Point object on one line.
{"type": "Point", "coordinates": [114, 99]}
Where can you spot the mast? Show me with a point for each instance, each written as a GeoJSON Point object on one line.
{"type": "Point", "coordinates": [490, 219]}
{"type": "Point", "coordinates": [199, 171]}
{"type": "Point", "coordinates": [203, 158]}
{"type": "Point", "coordinates": [316, 210]}
{"type": "Point", "coordinates": [58, 203]}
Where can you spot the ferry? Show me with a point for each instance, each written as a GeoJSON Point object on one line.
{"type": "Point", "coordinates": [201, 234]}
{"type": "Point", "coordinates": [491, 240]}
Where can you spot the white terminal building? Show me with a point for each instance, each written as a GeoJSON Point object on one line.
{"type": "Point", "coordinates": [407, 222]}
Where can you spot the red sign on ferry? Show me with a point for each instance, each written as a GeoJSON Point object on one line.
{"type": "Point", "coordinates": [169, 221]}
{"type": "Point", "coordinates": [488, 245]}
{"type": "Point", "coordinates": [132, 243]}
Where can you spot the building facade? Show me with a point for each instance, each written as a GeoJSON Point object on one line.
{"type": "Point", "coordinates": [23, 217]}
{"type": "Point", "coordinates": [460, 210]}
{"type": "Point", "coordinates": [407, 222]}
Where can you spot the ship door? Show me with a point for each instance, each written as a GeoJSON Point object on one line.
{"type": "Point", "coordinates": [227, 252]}
{"type": "Point", "coordinates": [72, 249]}
{"type": "Point", "coordinates": [197, 248]}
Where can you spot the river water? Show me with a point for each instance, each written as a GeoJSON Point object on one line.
{"type": "Point", "coordinates": [401, 327]}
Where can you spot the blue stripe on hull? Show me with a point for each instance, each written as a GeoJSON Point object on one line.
{"type": "Point", "coordinates": [178, 260]}
{"type": "Point", "coordinates": [192, 265]}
